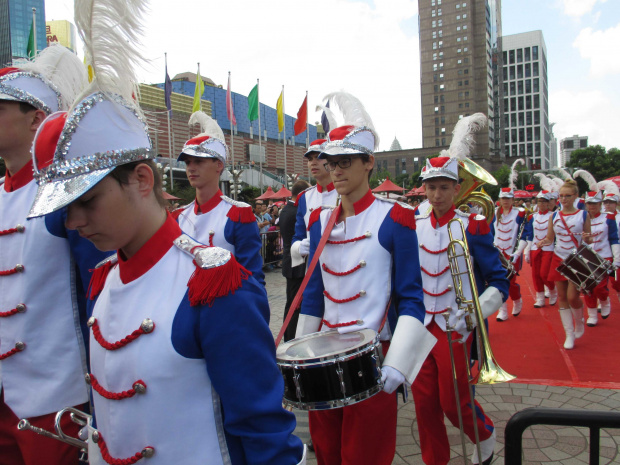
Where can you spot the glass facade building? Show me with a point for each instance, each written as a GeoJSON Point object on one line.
{"type": "Point", "coordinates": [15, 24]}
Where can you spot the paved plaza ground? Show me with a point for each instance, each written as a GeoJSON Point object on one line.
{"type": "Point", "coordinates": [541, 444]}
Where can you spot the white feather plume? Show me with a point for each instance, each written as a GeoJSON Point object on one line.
{"type": "Point", "coordinates": [112, 31]}
{"type": "Point", "coordinates": [609, 187]}
{"type": "Point", "coordinates": [463, 140]}
{"type": "Point", "coordinates": [546, 184]}
{"type": "Point", "coordinates": [587, 177]}
{"type": "Point", "coordinates": [63, 69]}
{"type": "Point", "coordinates": [329, 114]}
{"type": "Point", "coordinates": [558, 182]}
{"type": "Point", "coordinates": [208, 126]}
{"type": "Point", "coordinates": [565, 175]}
{"type": "Point", "coordinates": [353, 111]}
{"type": "Point", "coordinates": [514, 174]}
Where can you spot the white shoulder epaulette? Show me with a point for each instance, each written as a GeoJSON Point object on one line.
{"type": "Point", "coordinates": [461, 213]}
{"type": "Point", "coordinates": [520, 209]}
{"type": "Point", "coordinates": [480, 217]}
{"type": "Point", "coordinates": [394, 201]}
{"type": "Point", "coordinates": [204, 257]}
{"type": "Point", "coordinates": [235, 203]}
{"type": "Point", "coordinates": [112, 260]}
{"type": "Point", "coordinates": [423, 215]}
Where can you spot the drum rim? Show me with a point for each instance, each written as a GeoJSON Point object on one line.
{"type": "Point", "coordinates": [285, 360]}
{"type": "Point", "coordinates": [338, 403]}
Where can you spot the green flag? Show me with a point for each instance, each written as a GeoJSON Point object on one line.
{"type": "Point", "coordinates": [31, 49]}
{"type": "Point", "coordinates": [253, 104]}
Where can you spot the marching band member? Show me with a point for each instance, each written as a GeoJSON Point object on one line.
{"type": "Point", "coordinates": [604, 229]}
{"type": "Point", "coordinates": [182, 361]}
{"type": "Point", "coordinates": [369, 271]}
{"type": "Point", "coordinates": [433, 390]}
{"type": "Point", "coordinates": [508, 224]}
{"type": "Point", "coordinates": [610, 203]}
{"type": "Point", "coordinates": [45, 269]}
{"type": "Point", "coordinates": [567, 227]}
{"type": "Point", "coordinates": [323, 193]}
{"type": "Point", "coordinates": [212, 217]}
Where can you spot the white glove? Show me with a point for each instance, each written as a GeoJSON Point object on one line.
{"type": "Point", "coordinates": [304, 247]}
{"type": "Point", "coordinates": [526, 253]}
{"type": "Point", "coordinates": [299, 250]}
{"type": "Point", "coordinates": [459, 323]}
{"type": "Point", "coordinates": [307, 324]}
{"type": "Point", "coordinates": [490, 301]}
{"type": "Point", "coordinates": [522, 245]}
{"type": "Point", "coordinates": [615, 250]}
{"type": "Point", "coordinates": [391, 378]}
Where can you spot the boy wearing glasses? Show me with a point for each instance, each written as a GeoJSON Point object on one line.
{"type": "Point", "coordinates": [368, 277]}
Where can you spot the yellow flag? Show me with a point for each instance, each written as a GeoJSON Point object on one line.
{"type": "Point", "coordinates": [280, 111]}
{"type": "Point", "coordinates": [200, 88]}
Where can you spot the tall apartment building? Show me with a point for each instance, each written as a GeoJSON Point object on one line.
{"type": "Point", "coordinates": [525, 105]}
{"type": "Point", "coordinates": [569, 144]}
{"type": "Point", "coordinates": [15, 24]}
{"type": "Point", "coordinates": [458, 48]}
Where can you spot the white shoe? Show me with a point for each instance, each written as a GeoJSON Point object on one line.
{"type": "Point", "coordinates": [605, 308]}
{"type": "Point", "coordinates": [553, 297]}
{"type": "Point", "coordinates": [486, 449]}
{"type": "Point", "coordinates": [578, 316]}
{"type": "Point", "coordinates": [502, 315]}
{"type": "Point", "coordinates": [592, 317]}
{"type": "Point", "coordinates": [567, 321]}
{"type": "Point", "coordinates": [517, 305]}
{"type": "Point", "coordinates": [540, 300]}
{"type": "Point", "coordinates": [547, 292]}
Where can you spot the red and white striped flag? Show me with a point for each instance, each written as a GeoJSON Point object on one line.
{"type": "Point", "coordinates": [229, 105]}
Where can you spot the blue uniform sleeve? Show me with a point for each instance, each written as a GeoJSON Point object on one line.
{"type": "Point", "coordinates": [407, 290]}
{"type": "Point", "coordinates": [300, 224]}
{"type": "Point", "coordinates": [487, 266]}
{"type": "Point", "coordinates": [313, 302]}
{"type": "Point", "coordinates": [612, 231]}
{"type": "Point", "coordinates": [239, 352]}
{"type": "Point", "coordinates": [247, 241]}
{"type": "Point", "coordinates": [528, 229]}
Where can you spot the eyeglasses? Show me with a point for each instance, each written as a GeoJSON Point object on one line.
{"type": "Point", "coordinates": [343, 163]}
{"type": "Point", "coordinates": [567, 196]}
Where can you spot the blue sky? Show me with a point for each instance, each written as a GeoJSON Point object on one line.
{"type": "Point", "coordinates": [371, 49]}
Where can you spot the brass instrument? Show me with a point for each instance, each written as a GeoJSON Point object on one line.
{"type": "Point", "coordinates": [489, 371]}
{"type": "Point", "coordinates": [474, 176]}
{"type": "Point", "coordinates": [77, 416]}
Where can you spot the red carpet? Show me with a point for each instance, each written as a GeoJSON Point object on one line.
{"type": "Point", "coordinates": [530, 346]}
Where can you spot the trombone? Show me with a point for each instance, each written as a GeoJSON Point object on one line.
{"type": "Point", "coordinates": [489, 372]}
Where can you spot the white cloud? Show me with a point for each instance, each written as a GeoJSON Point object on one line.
{"type": "Point", "coordinates": [586, 114]}
{"type": "Point", "coordinates": [601, 48]}
{"type": "Point", "coordinates": [578, 8]}
{"type": "Point", "coordinates": [320, 46]}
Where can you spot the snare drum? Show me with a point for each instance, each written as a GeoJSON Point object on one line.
{"type": "Point", "coordinates": [330, 370]}
{"type": "Point", "coordinates": [585, 268]}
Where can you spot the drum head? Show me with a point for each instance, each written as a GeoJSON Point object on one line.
{"type": "Point", "coordinates": [324, 345]}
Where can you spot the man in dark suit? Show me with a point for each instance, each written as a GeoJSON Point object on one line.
{"type": "Point", "coordinates": [294, 275]}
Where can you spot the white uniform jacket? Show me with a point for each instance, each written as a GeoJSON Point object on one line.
{"type": "Point", "coordinates": [507, 228]}
{"type": "Point", "coordinates": [439, 295]}
{"type": "Point", "coordinates": [196, 381]}
{"type": "Point", "coordinates": [309, 200]}
{"type": "Point", "coordinates": [564, 243]}
{"type": "Point", "coordinates": [226, 223]}
{"type": "Point", "coordinates": [539, 228]}
{"type": "Point", "coordinates": [604, 231]}
{"type": "Point", "coordinates": [43, 279]}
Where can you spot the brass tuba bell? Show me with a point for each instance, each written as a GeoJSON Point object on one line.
{"type": "Point", "coordinates": [474, 176]}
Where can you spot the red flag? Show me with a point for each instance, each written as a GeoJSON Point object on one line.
{"type": "Point", "coordinates": [229, 105]}
{"type": "Point", "coordinates": [302, 118]}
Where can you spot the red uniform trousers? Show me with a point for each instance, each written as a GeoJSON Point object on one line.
{"type": "Point", "coordinates": [433, 395]}
{"type": "Point", "coordinates": [29, 448]}
{"type": "Point", "coordinates": [615, 283]}
{"type": "Point", "coordinates": [600, 292]}
{"type": "Point", "coordinates": [362, 433]}
{"type": "Point", "coordinates": [540, 260]}
{"type": "Point", "coordinates": [514, 291]}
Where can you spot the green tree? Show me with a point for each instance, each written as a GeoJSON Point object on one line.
{"type": "Point", "coordinates": [378, 177]}
{"type": "Point", "coordinates": [248, 194]}
{"type": "Point", "coordinates": [598, 161]}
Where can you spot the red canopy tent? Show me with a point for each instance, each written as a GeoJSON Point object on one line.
{"type": "Point", "coordinates": [268, 194]}
{"type": "Point", "coordinates": [416, 191]}
{"type": "Point", "coordinates": [615, 179]}
{"type": "Point", "coordinates": [523, 195]}
{"type": "Point", "coordinates": [388, 186]}
{"type": "Point", "coordinates": [282, 194]}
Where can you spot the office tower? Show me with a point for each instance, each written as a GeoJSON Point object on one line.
{"type": "Point", "coordinates": [569, 144]}
{"type": "Point", "coordinates": [458, 48]}
{"type": "Point", "coordinates": [525, 105]}
{"type": "Point", "coordinates": [15, 25]}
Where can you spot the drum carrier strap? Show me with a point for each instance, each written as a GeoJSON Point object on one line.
{"type": "Point", "coordinates": [568, 229]}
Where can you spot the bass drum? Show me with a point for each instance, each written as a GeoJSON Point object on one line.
{"type": "Point", "coordinates": [585, 268]}
{"type": "Point", "coordinates": [329, 370]}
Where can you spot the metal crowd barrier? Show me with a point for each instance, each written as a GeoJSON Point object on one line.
{"type": "Point", "coordinates": [592, 419]}
{"type": "Point", "coordinates": [271, 249]}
